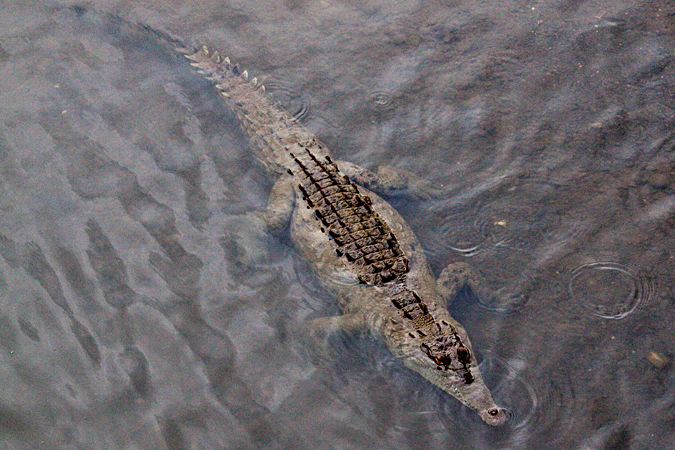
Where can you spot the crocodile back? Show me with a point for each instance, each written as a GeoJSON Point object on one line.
{"type": "Point", "coordinates": [361, 236]}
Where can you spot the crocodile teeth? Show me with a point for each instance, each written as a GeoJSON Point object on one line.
{"type": "Point", "coordinates": [221, 87]}
{"type": "Point", "coordinates": [244, 74]}
{"type": "Point", "coordinates": [226, 60]}
{"type": "Point", "coordinates": [254, 81]}
{"type": "Point", "coordinates": [262, 87]}
{"type": "Point", "coordinates": [196, 64]}
{"type": "Point", "coordinates": [205, 50]}
{"type": "Point", "coordinates": [192, 57]}
{"type": "Point", "coordinates": [216, 57]}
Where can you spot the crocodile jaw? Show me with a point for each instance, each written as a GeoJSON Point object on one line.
{"type": "Point", "coordinates": [475, 395]}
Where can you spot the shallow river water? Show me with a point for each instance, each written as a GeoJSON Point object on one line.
{"type": "Point", "coordinates": [143, 306]}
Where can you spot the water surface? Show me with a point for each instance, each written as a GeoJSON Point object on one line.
{"type": "Point", "coordinates": [143, 306]}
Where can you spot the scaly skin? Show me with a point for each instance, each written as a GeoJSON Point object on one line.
{"type": "Point", "coordinates": [360, 247]}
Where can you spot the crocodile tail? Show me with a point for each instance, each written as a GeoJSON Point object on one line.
{"type": "Point", "coordinates": [272, 130]}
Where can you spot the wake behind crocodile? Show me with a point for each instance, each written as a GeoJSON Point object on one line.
{"type": "Point", "coordinates": [360, 247]}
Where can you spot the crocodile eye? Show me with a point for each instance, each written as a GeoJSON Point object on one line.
{"type": "Point", "coordinates": [493, 411]}
{"type": "Point", "coordinates": [463, 355]}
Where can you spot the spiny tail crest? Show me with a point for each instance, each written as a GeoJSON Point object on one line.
{"type": "Point", "coordinates": [218, 69]}
{"type": "Point", "coordinates": [271, 128]}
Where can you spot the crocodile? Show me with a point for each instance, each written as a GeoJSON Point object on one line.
{"type": "Point", "coordinates": [362, 250]}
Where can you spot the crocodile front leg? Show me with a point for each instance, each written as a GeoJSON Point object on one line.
{"type": "Point", "coordinates": [323, 327]}
{"type": "Point", "coordinates": [315, 333]}
{"type": "Point", "coordinates": [280, 206]}
{"type": "Point", "coordinates": [456, 276]}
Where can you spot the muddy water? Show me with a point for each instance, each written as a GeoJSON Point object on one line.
{"type": "Point", "coordinates": [143, 306]}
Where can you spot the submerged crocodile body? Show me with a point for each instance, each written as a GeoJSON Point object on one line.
{"type": "Point", "coordinates": [360, 247]}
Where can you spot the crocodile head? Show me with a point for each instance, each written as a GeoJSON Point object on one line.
{"type": "Point", "coordinates": [444, 357]}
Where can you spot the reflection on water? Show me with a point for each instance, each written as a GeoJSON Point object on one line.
{"type": "Point", "coordinates": [143, 305]}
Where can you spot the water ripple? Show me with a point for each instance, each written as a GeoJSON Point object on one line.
{"type": "Point", "coordinates": [381, 100]}
{"type": "Point", "coordinates": [290, 99]}
{"type": "Point", "coordinates": [610, 290]}
{"type": "Point", "coordinates": [510, 390]}
{"type": "Point", "coordinates": [511, 296]}
{"type": "Point", "coordinates": [535, 413]}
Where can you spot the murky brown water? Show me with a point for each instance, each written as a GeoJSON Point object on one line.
{"type": "Point", "coordinates": [141, 307]}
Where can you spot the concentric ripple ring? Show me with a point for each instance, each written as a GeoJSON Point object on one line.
{"type": "Point", "coordinates": [610, 290]}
